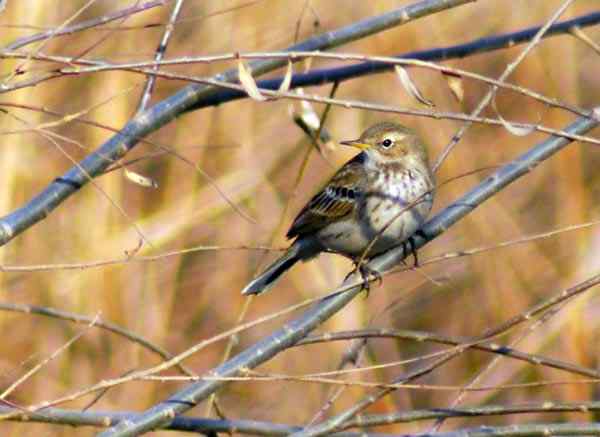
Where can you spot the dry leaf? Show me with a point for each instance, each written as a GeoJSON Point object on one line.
{"type": "Point", "coordinates": [306, 117]}
{"type": "Point", "coordinates": [455, 83]}
{"type": "Point", "coordinates": [287, 79]}
{"type": "Point", "coordinates": [410, 87]}
{"type": "Point", "coordinates": [249, 83]}
{"type": "Point", "coordinates": [140, 180]}
{"type": "Point", "coordinates": [515, 130]}
{"type": "Point", "coordinates": [309, 115]}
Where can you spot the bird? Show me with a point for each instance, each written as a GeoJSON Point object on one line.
{"type": "Point", "coordinates": [377, 200]}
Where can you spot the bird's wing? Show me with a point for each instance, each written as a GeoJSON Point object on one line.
{"type": "Point", "coordinates": [335, 201]}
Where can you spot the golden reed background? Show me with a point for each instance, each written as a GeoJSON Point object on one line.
{"type": "Point", "coordinates": [254, 151]}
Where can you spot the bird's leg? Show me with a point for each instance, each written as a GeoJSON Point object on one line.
{"type": "Point", "coordinates": [410, 246]}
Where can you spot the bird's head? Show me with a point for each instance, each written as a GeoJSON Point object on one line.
{"type": "Point", "coordinates": [390, 142]}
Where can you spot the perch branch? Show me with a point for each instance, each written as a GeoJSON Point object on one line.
{"type": "Point", "coordinates": [163, 413]}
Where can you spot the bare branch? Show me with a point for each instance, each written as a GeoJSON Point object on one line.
{"type": "Point", "coordinates": [79, 418]}
{"type": "Point", "coordinates": [188, 99]}
{"type": "Point", "coordinates": [297, 329]}
{"type": "Point", "coordinates": [160, 52]}
{"type": "Point", "coordinates": [88, 24]}
{"type": "Point", "coordinates": [97, 321]}
{"type": "Point", "coordinates": [507, 72]}
{"type": "Point", "coordinates": [421, 336]}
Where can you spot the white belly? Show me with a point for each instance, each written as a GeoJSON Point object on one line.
{"type": "Point", "coordinates": [383, 219]}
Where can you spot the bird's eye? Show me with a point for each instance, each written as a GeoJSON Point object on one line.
{"type": "Point", "coordinates": [387, 143]}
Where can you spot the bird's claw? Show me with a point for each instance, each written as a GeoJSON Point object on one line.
{"type": "Point", "coordinates": [366, 273]}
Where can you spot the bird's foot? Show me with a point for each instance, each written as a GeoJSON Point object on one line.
{"type": "Point", "coordinates": [366, 274]}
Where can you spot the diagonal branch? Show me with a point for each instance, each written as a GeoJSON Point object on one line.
{"type": "Point", "coordinates": [489, 96]}
{"type": "Point", "coordinates": [337, 422]}
{"type": "Point", "coordinates": [421, 336]}
{"type": "Point", "coordinates": [163, 413]}
{"type": "Point", "coordinates": [97, 321]}
{"type": "Point", "coordinates": [326, 75]}
{"type": "Point", "coordinates": [187, 99]}
{"type": "Point", "coordinates": [160, 52]}
{"type": "Point", "coordinates": [88, 24]}
{"type": "Point", "coordinates": [339, 74]}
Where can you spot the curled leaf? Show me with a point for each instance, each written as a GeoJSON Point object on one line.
{"type": "Point", "coordinates": [410, 86]}
{"type": "Point", "coordinates": [309, 121]}
{"type": "Point", "coordinates": [455, 83]}
{"type": "Point", "coordinates": [287, 79]}
{"type": "Point", "coordinates": [309, 115]}
{"type": "Point", "coordinates": [140, 180]}
{"type": "Point", "coordinates": [519, 131]}
{"type": "Point", "coordinates": [248, 82]}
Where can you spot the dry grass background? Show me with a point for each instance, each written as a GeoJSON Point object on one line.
{"type": "Point", "coordinates": [254, 152]}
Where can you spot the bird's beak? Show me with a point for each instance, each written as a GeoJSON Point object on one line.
{"type": "Point", "coordinates": [356, 143]}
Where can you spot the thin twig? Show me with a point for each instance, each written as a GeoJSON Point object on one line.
{"type": "Point", "coordinates": [56, 30]}
{"type": "Point", "coordinates": [354, 104]}
{"type": "Point", "coordinates": [88, 24]}
{"type": "Point", "coordinates": [295, 330]}
{"type": "Point", "coordinates": [394, 385]}
{"type": "Point", "coordinates": [580, 35]}
{"type": "Point", "coordinates": [94, 183]}
{"type": "Point", "coordinates": [44, 362]}
{"type": "Point", "coordinates": [78, 418]}
{"type": "Point", "coordinates": [187, 99]}
{"type": "Point", "coordinates": [439, 224]}
{"type": "Point", "coordinates": [369, 420]}
{"type": "Point", "coordinates": [139, 374]}
{"type": "Point", "coordinates": [143, 66]}
{"type": "Point", "coordinates": [336, 422]}
{"type": "Point", "coordinates": [421, 336]}
{"type": "Point", "coordinates": [160, 52]}
{"type": "Point", "coordinates": [507, 72]}
{"type": "Point", "coordinates": [108, 326]}
{"type": "Point", "coordinates": [496, 360]}
{"type": "Point", "coordinates": [127, 259]}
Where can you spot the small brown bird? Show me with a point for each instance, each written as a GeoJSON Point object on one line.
{"type": "Point", "coordinates": [377, 200]}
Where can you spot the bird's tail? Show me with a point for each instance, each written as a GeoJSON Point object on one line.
{"type": "Point", "coordinates": [297, 252]}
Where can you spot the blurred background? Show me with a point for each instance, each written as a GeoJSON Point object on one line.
{"type": "Point", "coordinates": [254, 153]}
